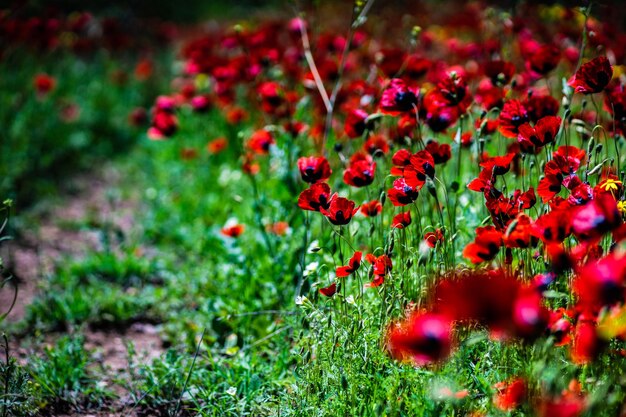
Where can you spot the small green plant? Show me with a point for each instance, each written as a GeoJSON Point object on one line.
{"type": "Point", "coordinates": [64, 376]}
{"type": "Point", "coordinates": [19, 394]}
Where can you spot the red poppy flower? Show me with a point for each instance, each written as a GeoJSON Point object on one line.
{"type": "Point", "coordinates": [499, 72]}
{"type": "Point", "coordinates": [519, 233]}
{"type": "Point", "coordinates": [510, 395]}
{"type": "Point", "coordinates": [573, 158]}
{"type": "Point", "coordinates": [402, 194]}
{"type": "Point", "coordinates": [234, 230]}
{"type": "Point", "coordinates": [138, 117]}
{"type": "Point", "coordinates": [422, 166]}
{"type": "Point", "coordinates": [441, 153]}
{"type": "Point", "coordinates": [353, 265]}
{"type": "Point", "coordinates": [260, 142]}
{"type": "Point", "coordinates": [272, 96]}
{"type": "Point", "coordinates": [376, 145]}
{"type": "Point", "coordinates": [544, 59]}
{"type": "Point", "coordinates": [503, 210]}
{"type": "Point", "coordinates": [188, 154]}
{"type": "Point", "coordinates": [330, 290]}
{"type": "Point", "coordinates": [295, 128]}
{"type": "Point", "coordinates": [405, 126]}
{"type": "Point", "coordinates": [372, 208]}
{"type": "Point", "coordinates": [397, 98]}
{"type": "Point", "coordinates": [544, 132]}
{"type": "Point", "coordinates": [236, 115]}
{"type": "Point", "coordinates": [530, 317]}
{"type": "Point", "coordinates": [489, 96]}
{"type": "Point", "coordinates": [422, 338]}
{"type": "Point", "coordinates": [438, 116]}
{"type": "Point", "coordinates": [486, 126]}
{"type": "Point", "coordinates": [314, 169]}
{"type": "Point", "coordinates": [164, 124]}
{"type": "Point", "coordinates": [278, 228]}
{"type": "Point", "coordinates": [200, 104]}
{"type": "Point", "coordinates": [432, 238]}
{"type": "Point", "coordinates": [340, 211]}
{"type": "Point", "coordinates": [601, 283]}
{"type": "Point", "coordinates": [580, 194]}
{"type": "Point", "coordinates": [360, 172]}
{"type": "Point", "coordinates": [165, 104]}
{"type": "Point", "coordinates": [484, 183]}
{"type": "Point", "coordinates": [593, 76]}
{"type": "Point", "coordinates": [560, 327]}
{"type": "Point", "coordinates": [355, 124]}
{"type": "Point", "coordinates": [512, 116]}
{"type": "Point", "coordinates": [486, 245]}
{"type": "Point", "coordinates": [217, 145]}
{"type": "Point", "coordinates": [564, 406]}
{"type": "Point", "coordinates": [610, 185]}
{"type": "Point", "coordinates": [381, 266]}
{"type": "Point", "coordinates": [315, 198]}
{"type": "Point", "coordinates": [415, 67]}
{"type": "Point", "coordinates": [249, 166]}
{"type": "Point", "coordinates": [452, 91]}
{"type": "Point", "coordinates": [499, 165]}
{"type": "Point", "coordinates": [44, 84]}
{"type": "Point", "coordinates": [550, 184]}
{"type": "Point", "coordinates": [539, 106]}
{"type": "Point", "coordinates": [553, 227]}
{"type": "Point", "coordinates": [596, 218]}
{"type": "Point", "coordinates": [402, 220]}
{"type": "Point", "coordinates": [586, 345]}
{"type": "Point", "coordinates": [489, 298]}
{"type": "Point", "coordinates": [526, 199]}
{"type": "Point", "coordinates": [561, 171]}
{"type": "Point", "coordinates": [400, 159]}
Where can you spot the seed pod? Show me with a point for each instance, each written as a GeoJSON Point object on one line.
{"type": "Point", "coordinates": [432, 189]}
{"type": "Point", "coordinates": [390, 247]}
{"type": "Point", "coordinates": [590, 145]}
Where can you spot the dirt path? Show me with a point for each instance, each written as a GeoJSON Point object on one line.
{"type": "Point", "coordinates": [70, 226]}
{"type": "Point", "coordinates": [60, 228]}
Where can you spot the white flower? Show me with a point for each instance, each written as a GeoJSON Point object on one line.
{"type": "Point", "coordinates": [310, 268]}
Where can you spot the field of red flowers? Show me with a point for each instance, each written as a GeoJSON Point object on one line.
{"type": "Point", "coordinates": [343, 208]}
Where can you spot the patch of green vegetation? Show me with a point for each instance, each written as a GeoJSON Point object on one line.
{"type": "Point", "coordinates": [103, 290]}
{"type": "Point", "coordinates": [19, 395]}
{"type": "Point", "coordinates": [64, 378]}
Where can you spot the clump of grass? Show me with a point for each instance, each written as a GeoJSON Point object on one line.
{"type": "Point", "coordinates": [64, 377]}
{"type": "Point", "coordinates": [103, 290]}
{"type": "Point", "coordinates": [19, 395]}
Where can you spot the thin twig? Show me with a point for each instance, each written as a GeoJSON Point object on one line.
{"type": "Point", "coordinates": [311, 62]}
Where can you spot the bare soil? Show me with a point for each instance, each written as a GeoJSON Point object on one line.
{"type": "Point", "coordinates": [62, 230]}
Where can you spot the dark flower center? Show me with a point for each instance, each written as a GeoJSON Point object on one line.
{"type": "Point", "coordinates": [405, 100]}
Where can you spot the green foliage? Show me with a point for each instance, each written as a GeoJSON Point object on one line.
{"type": "Point", "coordinates": [82, 121]}
{"type": "Point", "coordinates": [19, 395]}
{"type": "Point", "coordinates": [102, 290]}
{"type": "Point", "coordinates": [64, 376]}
